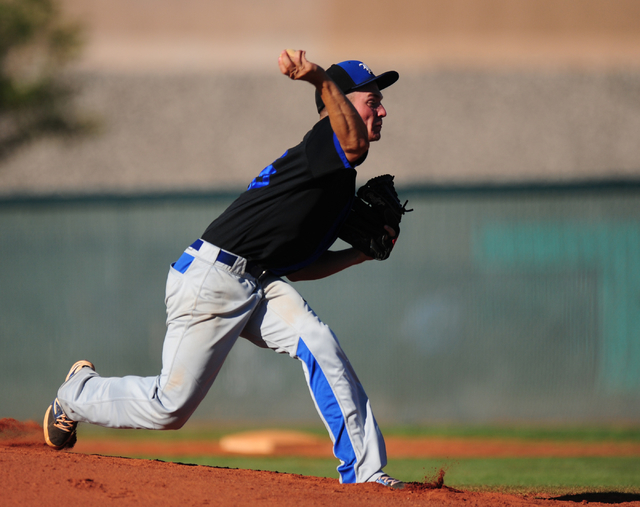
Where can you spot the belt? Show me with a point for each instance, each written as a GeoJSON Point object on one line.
{"type": "Point", "coordinates": [230, 259]}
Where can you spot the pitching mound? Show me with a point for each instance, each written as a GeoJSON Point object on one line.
{"type": "Point", "coordinates": [35, 475]}
{"type": "Point", "coordinates": [268, 442]}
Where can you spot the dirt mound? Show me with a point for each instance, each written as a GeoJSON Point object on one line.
{"type": "Point", "coordinates": [33, 475]}
{"type": "Point", "coordinates": [270, 442]}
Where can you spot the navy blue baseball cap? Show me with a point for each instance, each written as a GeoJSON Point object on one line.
{"type": "Point", "coordinates": [352, 74]}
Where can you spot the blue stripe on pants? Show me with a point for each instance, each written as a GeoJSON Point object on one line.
{"type": "Point", "coordinates": [331, 412]}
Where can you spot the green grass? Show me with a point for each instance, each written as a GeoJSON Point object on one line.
{"type": "Point", "coordinates": [523, 475]}
{"type": "Point", "coordinates": [625, 433]}
{"type": "Point", "coordinates": [519, 475]}
{"type": "Point", "coordinates": [527, 472]}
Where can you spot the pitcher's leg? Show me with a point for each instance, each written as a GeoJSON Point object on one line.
{"type": "Point", "coordinates": [201, 330]}
{"type": "Point", "coordinates": [285, 323]}
{"type": "Point", "coordinates": [161, 402]}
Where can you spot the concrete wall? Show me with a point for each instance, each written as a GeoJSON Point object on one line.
{"type": "Point", "coordinates": [189, 96]}
{"type": "Point", "coordinates": [212, 131]}
{"type": "Point", "coordinates": [416, 34]}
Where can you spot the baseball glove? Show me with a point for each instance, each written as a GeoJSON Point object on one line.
{"type": "Point", "coordinates": [376, 204]}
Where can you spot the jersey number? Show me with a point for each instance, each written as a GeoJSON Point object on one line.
{"type": "Point", "coordinates": [262, 180]}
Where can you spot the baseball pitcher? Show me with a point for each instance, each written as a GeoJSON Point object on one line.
{"type": "Point", "coordinates": [230, 282]}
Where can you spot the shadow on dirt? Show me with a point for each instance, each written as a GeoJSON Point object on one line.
{"type": "Point", "coordinates": [611, 497]}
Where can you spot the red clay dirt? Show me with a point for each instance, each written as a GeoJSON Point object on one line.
{"type": "Point", "coordinates": [33, 474]}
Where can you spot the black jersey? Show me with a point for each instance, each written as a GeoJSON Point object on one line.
{"type": "Point", "coordinates": [291, 213]}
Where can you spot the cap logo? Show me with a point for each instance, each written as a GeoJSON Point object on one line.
{"type": "Point", "coordinates": [365, 68]}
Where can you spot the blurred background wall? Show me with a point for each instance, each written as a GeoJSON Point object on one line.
{"type": "Point", "coordinates": [412, 34]}
{"type": "Point", "coordinates": [514, 131]}
{"type": "Point", "coordinates": [491, 90]}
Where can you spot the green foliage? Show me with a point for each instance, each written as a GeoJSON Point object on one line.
{"type": "Point", "coordinates": [35, 45]}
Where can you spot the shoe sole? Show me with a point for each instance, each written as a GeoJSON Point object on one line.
{"type": "Point", "coordinates": [77, 366]}
{"type": "Point", "coordinates": [45, 425]}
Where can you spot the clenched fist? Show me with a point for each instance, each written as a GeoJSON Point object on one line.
{"type": "Point", "coordinates": [293, 63]}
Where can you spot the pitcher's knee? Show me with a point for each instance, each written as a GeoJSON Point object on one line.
{"type": "Point", "coordinates": [174, 423]}
{"type": "Point", "coordinates": [172, 412]}
{"type": "Point", "coordinates": [172, 419]}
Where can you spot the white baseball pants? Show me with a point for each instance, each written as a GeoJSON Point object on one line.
{"type": "Point", "coordinates": [211, 301]}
